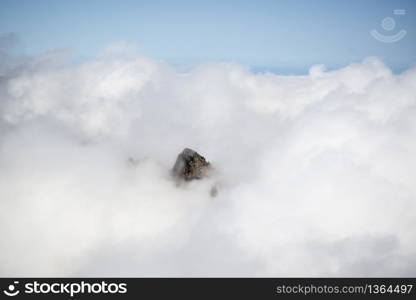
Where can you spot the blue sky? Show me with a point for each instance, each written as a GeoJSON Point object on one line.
{"type": "Point", "coordinates": [288, 34]}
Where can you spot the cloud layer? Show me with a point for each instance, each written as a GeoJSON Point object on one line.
{"type": "Point", "coordinates": [316, 173]}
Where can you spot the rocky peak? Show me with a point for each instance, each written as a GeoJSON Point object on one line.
{"type": "Point", "coordinates": [190, 165]}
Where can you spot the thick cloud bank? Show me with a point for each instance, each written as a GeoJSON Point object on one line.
{"type": "Point", "coordinates": [316, 173]}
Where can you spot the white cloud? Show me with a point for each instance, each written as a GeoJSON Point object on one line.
{"type": "Point", "coordinates": [316, 172]}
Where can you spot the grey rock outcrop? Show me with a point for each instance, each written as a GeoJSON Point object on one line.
{"type": "Point", "coordinates": [190, 165]}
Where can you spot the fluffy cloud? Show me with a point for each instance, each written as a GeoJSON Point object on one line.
{"type": "Point", "coordinates": [316, 173]}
